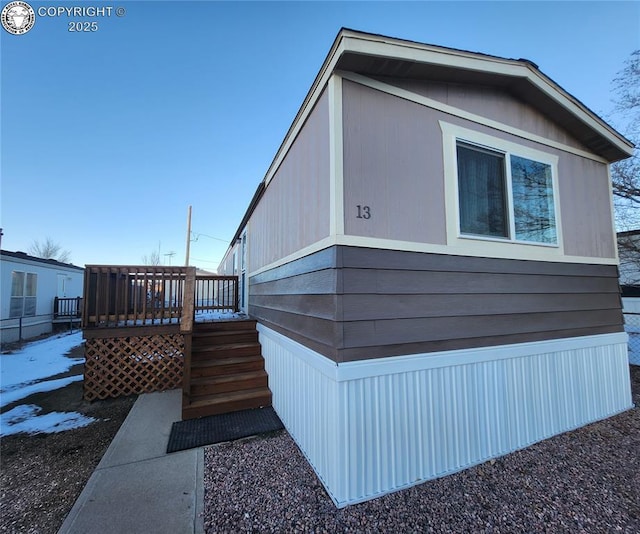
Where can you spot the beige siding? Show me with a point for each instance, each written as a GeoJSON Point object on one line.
{"type": "Point", "coordinates": [586, 208]}
{"type": "Point", "coordinates": [491, 102]}
{"type": "Point", "coordinates": [393, 164]}
{"type": "Point", "coordinates": [226, 266]}
{"type": "Point", "coordinates": [295, 209]}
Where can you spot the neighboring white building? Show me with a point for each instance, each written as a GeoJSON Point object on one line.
{"type": "Point", "coordinates": [28, 290]}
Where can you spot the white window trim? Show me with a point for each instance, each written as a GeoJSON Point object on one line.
{"type": "Point", "coordinates": [24, 295]}
{"type": "Point", "coordinates": [486, 245]}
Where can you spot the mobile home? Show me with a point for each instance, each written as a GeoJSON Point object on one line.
{"type": "Point", "coordinates": [432, 262]}
{"type": "Point", "coordinates": [37, 294]}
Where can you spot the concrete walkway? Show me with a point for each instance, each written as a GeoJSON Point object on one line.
{"type": "Point", "coordinates": [137, 488]}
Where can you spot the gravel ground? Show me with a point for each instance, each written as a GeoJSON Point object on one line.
{"type": "Point", "coordinates": [587, 480]}
{"type": "Point", "coordinates": [42, 475]}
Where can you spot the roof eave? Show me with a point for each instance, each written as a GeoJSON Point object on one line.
{"type": "Point", "coordinates": [518, 74]}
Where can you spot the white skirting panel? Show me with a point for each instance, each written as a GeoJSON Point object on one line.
{"type": "Point", "coordinates": [306, 400]}
{"type": "Point", "coordinates": [376, 426]}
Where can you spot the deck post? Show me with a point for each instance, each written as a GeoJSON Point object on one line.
{"type": "Point", "coordinates": [186, 328]}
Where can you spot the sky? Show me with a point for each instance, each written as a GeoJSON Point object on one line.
{"type": "Point", "coordinates": [108, 136]}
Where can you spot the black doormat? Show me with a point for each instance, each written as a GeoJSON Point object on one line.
{"type": "Point", "coordinates": [224, 427]}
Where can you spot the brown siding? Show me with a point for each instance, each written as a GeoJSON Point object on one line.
{"type": "Point", "coordinates": [294, 210]}
{"type": "Point", "coordinates": [352, 303]}
{"type": "Point", "coordinates": [300, 300]}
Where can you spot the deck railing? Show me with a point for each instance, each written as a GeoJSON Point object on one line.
{"type": "Point", "coordinates": [119, 296]}
{"type": "Point", "coordinates": [216, 293]}
{"type": "Point", "coordinates": [67, 308]}
{"type": "Point", "coordinates": [138, 325]}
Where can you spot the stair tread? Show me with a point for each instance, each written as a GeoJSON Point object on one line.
{"type": "Point", "coordinates": [226, 361]}
{"type": "Point", "coordinates": [221, 333]}
{"type": "Point", "coordinates": [221, 398]}
{"type": "Point", "coordinates": [228, 346]}
{"type": "Point", "coordinates": [228, 378]}
{"type": "Point", "coordinates": [221, 323]}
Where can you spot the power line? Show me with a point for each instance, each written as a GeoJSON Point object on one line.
{"type": "Point", "coordinates": [197, 235]}
{"type": "Point", "coordinates": [206, 261]}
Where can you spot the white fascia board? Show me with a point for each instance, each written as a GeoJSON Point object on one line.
{"type": "Point", "coordinates": [433, 56]}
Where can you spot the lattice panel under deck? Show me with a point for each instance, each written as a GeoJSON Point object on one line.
{"type": "Point", "coordinates": [123, 366]}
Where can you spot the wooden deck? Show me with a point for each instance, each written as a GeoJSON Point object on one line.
{"type": "Point", "coordinates": [152, 328]}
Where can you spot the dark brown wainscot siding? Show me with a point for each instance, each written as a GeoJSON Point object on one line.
{"type": "Point", "coordinates": [351, 303]}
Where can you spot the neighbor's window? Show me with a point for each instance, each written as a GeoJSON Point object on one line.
{"type": "Point", "coordinates": [23, 294]}
{"type": "Point", "coordinates": [505, 196]}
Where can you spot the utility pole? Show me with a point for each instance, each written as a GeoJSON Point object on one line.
{"type": "Point", "coordinates": [186, 261]}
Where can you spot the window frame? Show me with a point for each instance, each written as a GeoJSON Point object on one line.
{"type": "Point", "coordinates": [501, 246]}
{"type": "Point", "coordinates": [29, 280]}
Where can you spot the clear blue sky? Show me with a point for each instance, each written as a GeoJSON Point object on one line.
{"type": "Point", "coordinates": [108, 137]}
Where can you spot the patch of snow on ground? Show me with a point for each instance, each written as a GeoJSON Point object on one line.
{"type": "Point", "coordinates": [7, 397]}
{"type": "Point", "coordinates": [25, 418]}
{"type": "Point", "coordinates": [25, 372]}
{"type": "Point", "coordinates": [38, 360]}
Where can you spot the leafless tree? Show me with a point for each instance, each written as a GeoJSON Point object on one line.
{"type": "Point", "coordinates": [151, 259]}
{"type": "Point", "coordinates": [625, 174]}
{"type": "Point", "coordinates": [49, 250]}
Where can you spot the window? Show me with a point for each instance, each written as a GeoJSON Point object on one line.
{"type": "Point", "coordinates": [23, 294]}
{"type": "Point", "coordinates": [504, 195]}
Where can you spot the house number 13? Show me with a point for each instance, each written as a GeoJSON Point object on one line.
{"type": "Point", "coordinates": [364, 212]}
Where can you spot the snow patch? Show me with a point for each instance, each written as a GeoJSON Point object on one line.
{"type": "Point", "coordinates": [20, 392]}
{"type": "Point", "coordinates": [27, 371]}
{"type": "Point", "coordinates": [38, 360]}
{"type": "Point", "coordinates": [25, 418]}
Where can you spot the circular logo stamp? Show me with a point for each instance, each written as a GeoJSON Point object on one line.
{"type": "Point", "coordinates": [18, 17]}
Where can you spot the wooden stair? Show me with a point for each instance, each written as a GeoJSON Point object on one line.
{"type": "Point", "coordinates": [227, 369]}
